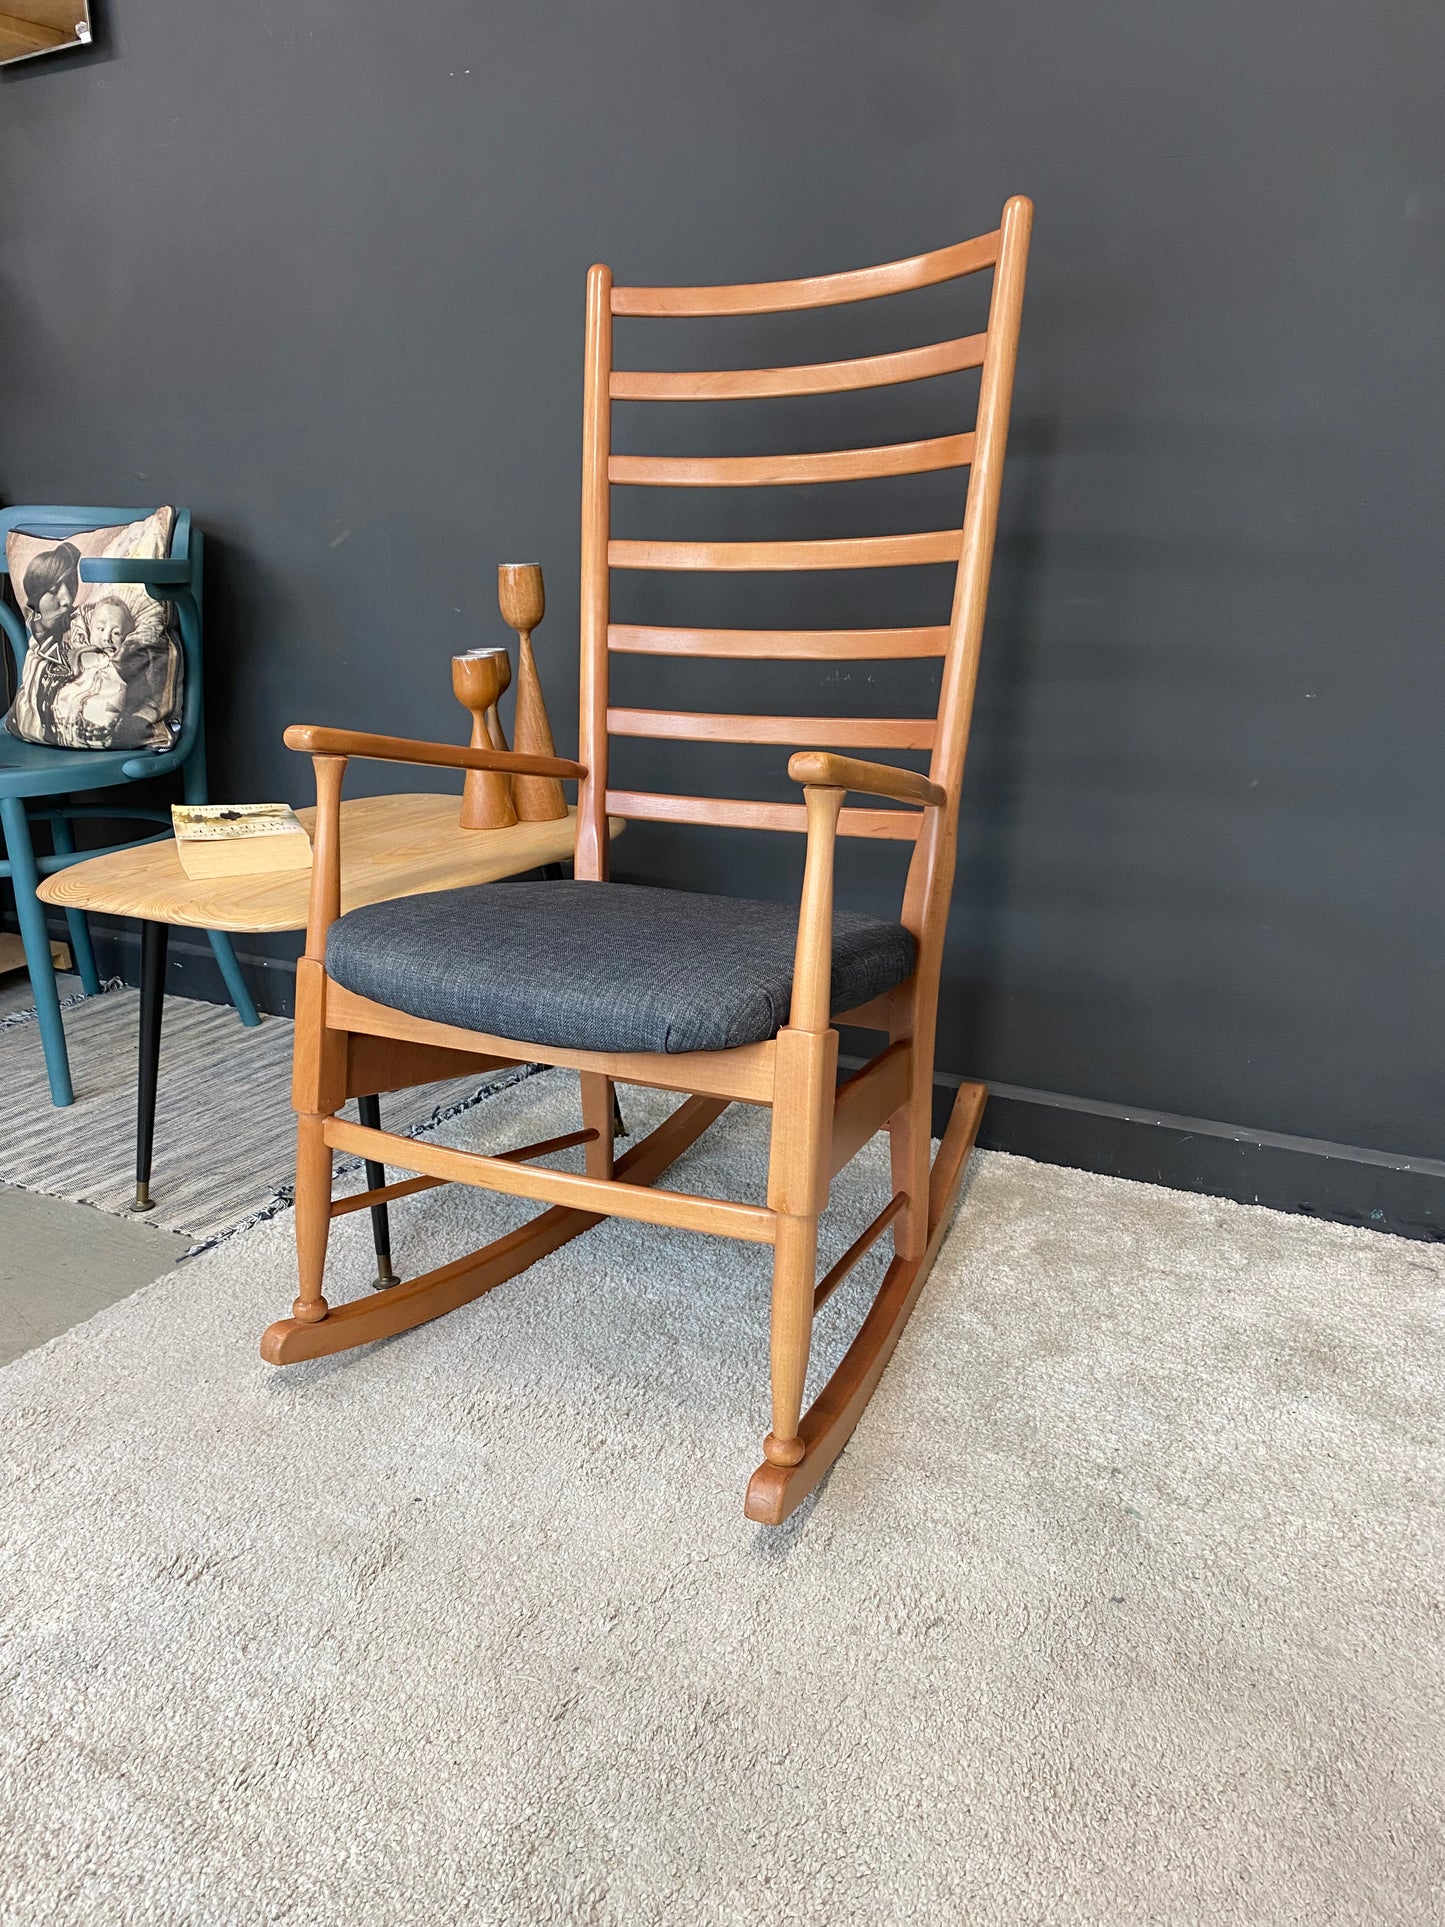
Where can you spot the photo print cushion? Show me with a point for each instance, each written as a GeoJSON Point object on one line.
{"type": "Point", "coordinates": [103, 668]}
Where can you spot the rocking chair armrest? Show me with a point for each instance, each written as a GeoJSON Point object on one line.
{"type": "Point", "coordinates": [825, 777]}
{"type": "Point", "coordinates": [314, 740]}
{"type": "Point", "coordinates": [820, 768]}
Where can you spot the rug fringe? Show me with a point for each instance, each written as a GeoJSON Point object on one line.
{"type": "Point", "coordinates": [19, 1017]}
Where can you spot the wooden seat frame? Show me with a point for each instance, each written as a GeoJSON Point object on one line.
{"type": "Point", "coordinates": [347, 1045]}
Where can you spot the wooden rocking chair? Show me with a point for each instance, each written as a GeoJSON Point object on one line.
{"type": "Point", "coordinates": [725, 1000]}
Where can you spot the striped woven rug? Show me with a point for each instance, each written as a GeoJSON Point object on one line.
{"type": "Point", "coordinates": [225, 1144]}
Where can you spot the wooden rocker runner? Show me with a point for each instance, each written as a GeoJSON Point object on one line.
{"type": "Point", "coordinates": [725, 1000]}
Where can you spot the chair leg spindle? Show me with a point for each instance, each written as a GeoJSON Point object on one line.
{"type": "Point", "coordinates": [794, 1261]}
{"type": "Point", "coordinates": [313, 1216]}
{"type": "Point", "coordinates": [910, 1148]}
{"type": "Point", "coordinates": [599, 1114]}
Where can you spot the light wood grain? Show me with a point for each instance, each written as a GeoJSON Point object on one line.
{"type": "Point", "coordinates": [873, 779]}
{"type": "Point", "coordinates": [869, 1098]}
{"type": "Point", "coordinates": [930, 877]}
{"type": "Point", "coordinates": [742, 813]}
{"type": "Point", "coordinates": [849, 552]}
{"type": "Point", "coordinates": [849, 732]}
{"type": "Point", "coordinates": [753, 471]}
{"type": "Point", "coordinates": [314, 739]}
{"type": "Point", "coordinates": [799, 1154]}
{"type": "Point", "coordinates": [776, 1489]}
{"type": "Point", "coordinates": [377, 1064]}
{"type": "Point", "coordinates": [744, 1075]}
{"type": "Point", "coordinates": [391, 846]}
{"type": "Point", "coordinates": [815, 291]}
{"type": "Point", "coordinates": [522, 597]}
{"type": "Point", "coordinates": [591, 857]}
{"type": "Point", "coordinates": [18, 38]}
{"type": "Point", "coordinates": [608, 1196]}
{"type": "Point", "coordinates": [62, 15]}
{"type": "Point", "coordinates": [478, 680]}
{"type": "Point", "coordinates": [815, 378]}
{"type": "Point", "coordinates": [779, 645]}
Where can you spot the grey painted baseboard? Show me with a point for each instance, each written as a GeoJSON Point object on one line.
{"type": "Point", "coordinates": [1341, 1183]}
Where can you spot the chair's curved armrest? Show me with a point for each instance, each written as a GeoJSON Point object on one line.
{"type": "Point", "coordinates": [154, 762]}
{"type": "Point", "coordinates": [152, 573]}
{"type": "Point", "coordinates": [826, 771]}
{"type": "Point", "coordinates": [314, 740]}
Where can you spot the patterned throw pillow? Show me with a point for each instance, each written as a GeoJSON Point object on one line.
{"type": "Point", "coordinates": [103, 668]}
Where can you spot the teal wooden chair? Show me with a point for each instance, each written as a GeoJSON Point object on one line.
{"type": "Point", "coordinates": [50, 780]}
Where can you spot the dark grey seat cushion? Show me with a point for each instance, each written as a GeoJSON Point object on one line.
{"type": "Point", "coordinates": [601, 966]}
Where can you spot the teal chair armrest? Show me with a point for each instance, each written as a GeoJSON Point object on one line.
{"type": "Point", "coordinates": [153, 574]}
{"type": "Point", "coordinates": [156, 762]}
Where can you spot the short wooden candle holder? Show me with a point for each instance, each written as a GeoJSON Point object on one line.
{"type": "Point", "coordinates": [478, 680]}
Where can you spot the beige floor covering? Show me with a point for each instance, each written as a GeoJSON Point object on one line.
{"type": "Point", "coordinates": [1122, 1607]}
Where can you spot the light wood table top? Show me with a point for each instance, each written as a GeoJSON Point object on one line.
{"type": "Point", "coordinates": [391, 846]}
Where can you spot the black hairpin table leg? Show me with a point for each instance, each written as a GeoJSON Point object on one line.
{"type": "Point", "coordinates": [368, 1111]}
{"type": "Point", "coordinates": [153, 938]}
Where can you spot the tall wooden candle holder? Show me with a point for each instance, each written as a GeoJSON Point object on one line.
{"type": "Point", "coordinates": [478, 680]}
{"type": "Point", "coordinates": [540, 799]}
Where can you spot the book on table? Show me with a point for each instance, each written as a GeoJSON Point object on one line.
{"type": "Point", "coordinates": [239, 839]}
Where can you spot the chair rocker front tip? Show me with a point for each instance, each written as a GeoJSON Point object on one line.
{"type": "Point", "coordinates": [738, 1001]}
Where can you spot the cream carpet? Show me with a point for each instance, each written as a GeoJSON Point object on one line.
{"type": "Point", "coordinates": [1123, 1606]}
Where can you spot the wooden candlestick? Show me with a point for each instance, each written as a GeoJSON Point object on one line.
{"type": "Point", "coordinates": [478, 680]}
{"type": "Point", "coordinates": [494, 714]}
{"type": "Point", "coordinates": [540, 799]}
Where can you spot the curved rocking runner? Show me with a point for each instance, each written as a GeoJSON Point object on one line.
{"type": "Point", "coordinates": [350, 1046]}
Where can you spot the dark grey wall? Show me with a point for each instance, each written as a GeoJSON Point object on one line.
{"type": "Point", "coordinates": [315, 268]}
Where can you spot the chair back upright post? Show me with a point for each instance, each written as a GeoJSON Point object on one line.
{"type": "Point", "coordinates": [590, 861]}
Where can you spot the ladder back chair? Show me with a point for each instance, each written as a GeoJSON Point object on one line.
{"type": "Point", "coordinates": [722, 999]}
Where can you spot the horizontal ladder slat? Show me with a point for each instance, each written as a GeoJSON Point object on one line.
{"type": "Point", "coordinates": [828, 732]}
{"type": "Point", "coordinates": [754, 471]}
{"type": "Point", "coordinates": [648, 806]}
{"type": "Point", "coordinates": [723, 1219]}
{"type": "Point", "coordinates": [847, 552]}
{"type": "Point", "coordinates": [781, 645]}
{"type": "Point", "coordinates": [811, 378]}
{"type": "Point", "coordinates": [814, 291]}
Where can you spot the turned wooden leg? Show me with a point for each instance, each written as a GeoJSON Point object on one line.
{"type": "Point", "coordinates": [313, 1216]}
{"type": "Point", "coordinates": [599, 1111]}
{"type": "Point", "coordinates": [794, 1263]}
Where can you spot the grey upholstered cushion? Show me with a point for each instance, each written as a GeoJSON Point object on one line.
{"type": "Point", "coordinates": [601, 966]}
